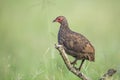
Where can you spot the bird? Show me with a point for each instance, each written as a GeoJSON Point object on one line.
{"type": "Point", "coordinates": [74, 43]}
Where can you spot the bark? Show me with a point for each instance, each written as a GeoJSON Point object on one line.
{"type": "Point", "coordinates": [76, 72]}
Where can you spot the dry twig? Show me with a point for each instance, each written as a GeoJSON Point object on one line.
{"type": "Point", "coordinates": [108, 75]}
{"type": "Point", "coordinates": [60, 48]}
{"type": "Point", "coordinates": [68, 64]}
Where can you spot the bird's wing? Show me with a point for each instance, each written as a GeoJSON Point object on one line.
{"type": "Point", "coordinates": [78, 43]}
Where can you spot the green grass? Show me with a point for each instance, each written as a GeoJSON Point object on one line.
{"type": "Point", "coordinates": [27, 38]}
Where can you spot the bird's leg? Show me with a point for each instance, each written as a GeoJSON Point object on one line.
{"type": "Point", "coordinates": [81, 64]}
{"type": "Point", "coordinates": [74, 62]}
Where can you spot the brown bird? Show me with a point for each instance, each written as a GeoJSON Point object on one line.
{"type": "Point", "coordinates": [75, 44]}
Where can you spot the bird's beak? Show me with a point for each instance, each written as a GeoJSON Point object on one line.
{"type": "Point", "coordinates": [54, 20]}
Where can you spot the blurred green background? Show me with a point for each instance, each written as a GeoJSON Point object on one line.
{"type": "Point", "coordinates": [27, 37]}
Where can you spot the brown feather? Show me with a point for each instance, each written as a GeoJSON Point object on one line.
{"type": "Point", "coordinates": [75, 44]}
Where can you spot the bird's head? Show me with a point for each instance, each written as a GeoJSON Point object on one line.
{"type": "Point", "coordinates": [60, 19]}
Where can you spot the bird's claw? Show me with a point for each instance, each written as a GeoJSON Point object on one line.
{"type": "Point", "coordinates": [78, 69]}
{"type": "Point", "coordinates": [73, 63]}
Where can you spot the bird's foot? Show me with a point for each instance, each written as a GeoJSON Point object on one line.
{"type": "Point", "coordinates": [76, 68]}
{"type": "Point", "coordinates": [73, 63]}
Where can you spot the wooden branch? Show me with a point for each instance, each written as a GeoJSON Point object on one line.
{"type": "Point", "coordinates": [60, 48]}
{"type": "Point", "coordinates": [108, 75]}
{"type": "Point", "coordinates": [68, 64]}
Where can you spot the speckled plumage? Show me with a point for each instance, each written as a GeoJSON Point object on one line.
{"type": "Point", "coordinates": [75, 44]}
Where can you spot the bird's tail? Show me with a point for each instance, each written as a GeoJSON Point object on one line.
{"type": "Point", "coordinates": [91, 57]}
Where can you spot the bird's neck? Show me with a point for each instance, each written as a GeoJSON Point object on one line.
{"type": "Point", "coordinates": [64, 26]}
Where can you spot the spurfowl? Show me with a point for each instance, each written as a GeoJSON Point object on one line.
{"type": "Point", "coordinates": [75, 44]}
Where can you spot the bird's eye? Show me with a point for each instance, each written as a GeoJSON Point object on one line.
{"type": "Point", "coordinates": [59, 19]}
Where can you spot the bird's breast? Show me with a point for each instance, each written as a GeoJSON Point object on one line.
{"type": "Point", "coordinates": [62, 35]}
